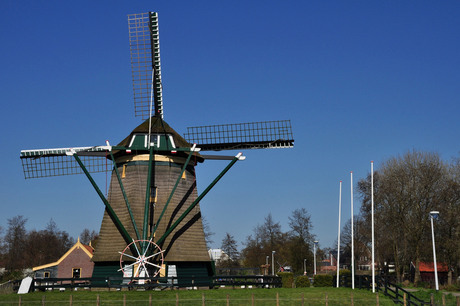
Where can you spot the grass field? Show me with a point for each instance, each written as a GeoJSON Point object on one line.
{"type": "Point", "coordinates": [299, 296]}
{"type": "Point", "coordinates": [222, 296]}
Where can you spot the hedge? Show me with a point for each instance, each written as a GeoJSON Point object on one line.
{"type": "Point", "coordinates": [323, 280]}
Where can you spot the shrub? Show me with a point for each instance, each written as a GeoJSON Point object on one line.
{"type": "Point", "coordinates": [302, 281]}
{"type": "Point", "coordinates": [287, 279]}
{"type": "Point", "coordinates": [323, 280]}
{"type": "Point", "coordinates": [344, 272]}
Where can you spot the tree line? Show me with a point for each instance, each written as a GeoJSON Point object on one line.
{"type": "Point", "coordinates": [293, 248]}
{"type": "Point", "coordinates": [21, 249]}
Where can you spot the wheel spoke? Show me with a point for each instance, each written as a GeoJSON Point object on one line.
{"type": "Point", "coordinates": [141, 260]}
{"type": "Point", "coordinates": [127, 255]}
{"type": "Point", "coordinates": [152, 264]}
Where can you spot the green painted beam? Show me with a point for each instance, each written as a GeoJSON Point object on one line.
{"type": "Point", "coordinates": [147, 197]}
{"type": "Point", "coordinates": [124, 233]}
{"type": "Point", "coordinates": [198, 199]}
{"type": "Point", "coordinates": [124, 195]}
{"type": "Point", "coordinates": [174, 189]}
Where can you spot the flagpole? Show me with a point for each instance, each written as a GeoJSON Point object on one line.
{"type": "Point", "coordinates": [372, 216]}
{"type": "Point", "coordinates": [338, 235]}
{"type": "Point", "coordinates": [352, 236]}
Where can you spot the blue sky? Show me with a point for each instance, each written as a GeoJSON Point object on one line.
{"type": "Point", "coordinates": [360, 80]}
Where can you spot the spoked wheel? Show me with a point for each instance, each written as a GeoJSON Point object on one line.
{"type": "Point", "coordinates": [147, 264]}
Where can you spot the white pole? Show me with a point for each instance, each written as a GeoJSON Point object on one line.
{"type": "Point", "coordinates": [273, 262]}
{"type": "Point", "coordinates": [372, 222]}
{"type": "Point", "coordinates": [434, 254]}
{"type": "Point", "coordinates": [338, 235]}
{"type": "Point", "coordinates": [352, 237]}
{"type": "Point", "coordinates": [314, 258]}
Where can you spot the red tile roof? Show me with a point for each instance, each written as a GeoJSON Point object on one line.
{"type": "Point", "coordinates": [429, 267]}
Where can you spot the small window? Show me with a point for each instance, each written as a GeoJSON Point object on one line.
{"type": "Point", "coordinates": [46, 274]}
{"type": "Point", "coordinates": [76, 272]}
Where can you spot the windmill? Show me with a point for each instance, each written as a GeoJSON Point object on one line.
{"type": "Point", "coordinates": [152, 221]}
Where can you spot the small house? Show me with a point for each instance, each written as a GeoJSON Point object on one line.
{"type": "Point", "coordinates": [75, 263]}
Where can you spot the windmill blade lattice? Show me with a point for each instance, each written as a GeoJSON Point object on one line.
{"type": "Point", "coordinates": [57, 162]}
{"type": "Point", "coordinates": [253, 135]}
{"type": "Point", "coordinates": [144, 44]}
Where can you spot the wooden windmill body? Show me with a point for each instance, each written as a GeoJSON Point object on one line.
{"type": "Point", "coordinates": [152, 214]}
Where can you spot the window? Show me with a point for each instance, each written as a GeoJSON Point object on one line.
{"type": "Point", "coordinates": [46, 274]}
{"type": "Point", "coordinates": [76, 272]}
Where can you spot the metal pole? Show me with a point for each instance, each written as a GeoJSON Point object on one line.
{"type": "Point", "coordinates": [352, 236]}
{"type": "Point", "coordinates": [266, 265]}
{"type": "Point", "coordinates": [273, 262]}
{"type": "Point", "coordinates": [372, 222]}
{"type": "Point", "coordinates": [304, 266]}
{"type": "Point", "coordinates": [315, 243]}
{"type": "Point", "coordinates": [338, 235]}
{"type": "Point", "coordinates": [432, 216]}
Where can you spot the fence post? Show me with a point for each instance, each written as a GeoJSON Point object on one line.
{"type": "Point", "coordinates": [404, 299]}
{"type": "Point", "coordinates": [443, 300]}
{"type": "Point", "coordinates": [150, 299]}
{"type": "Point", "coordinates": [352, 300]}
{"type": "Point", "coordinates": [44, 300]}
{"type": "Point", "coordinates": [377, 297]}
{"type": "Point", "coordinates": [124, 299]}
{"type": "Point", "coordinates": [252, 299]}
{"type": "Point", "coordinates": [303, 300]}
{"type": "Point", "coordinates": [327, 302]}
{"type": "Point", "coordinates": [177, 299]}
{"type": "Point", "coordinates": [70, 300]}
{"type": "Point", "coordinates": [203, 299]}
{"type": "Point", "coordinates": [98, 302]}
{"type": "Point", "coordinates": [277, 299]}
{"type": "Point", "coordinates": [19, 302]}
{"type": "Point", "coordinates": [458, 300]}
{"type": "Point", "coordinates": [228, 300]}
{"type": "Point", "coordinates": [432, 299]}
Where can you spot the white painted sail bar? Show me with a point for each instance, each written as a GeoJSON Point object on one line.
{"type": "Point", "coordinates": [96, 151]}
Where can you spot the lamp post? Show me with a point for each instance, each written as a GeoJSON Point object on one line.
{"type": "Point", "coordinates": [315, 243]}
{"type": "Point", "coordinates": [304, 266]}
{"type": "Point", "coordinates": [266, 264]}
{"type": "Point", "coordinates": [434, 215]}
{"type": "Point", "coordinates": [273, 262]}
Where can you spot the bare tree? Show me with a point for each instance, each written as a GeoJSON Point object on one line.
{"type": "Point", "coordinates": [15, 241]}
{"type": "Point", "coordinates": [87, 236]}
{"type": "Point", "coordinates": [408, 188]}
{"type": "Point", "coordinates": [207, 232]}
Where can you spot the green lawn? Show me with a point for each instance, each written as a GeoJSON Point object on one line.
{"type": "Point", "coordinates": [311, 296]}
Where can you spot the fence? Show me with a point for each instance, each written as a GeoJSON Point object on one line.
{"type": "Point", "coordinates": [262, 281]}
{"type": "Point", "coordinates": [398, 294]}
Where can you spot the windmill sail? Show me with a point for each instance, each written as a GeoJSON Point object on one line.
{"type": "Point", "coordinates": [253, 135]}
{"type": "Point", "coordinates": [144, 44]}
{"type": "Point", "coordinates": [57, 162]}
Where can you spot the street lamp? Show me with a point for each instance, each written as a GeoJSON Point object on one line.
{"type": "Point", "coordinates": [315, 243]}
{"type": "Point", "coordinates": [273, 262]}
{"type": "Point", "coordinates": [434, 215]}
{"type": "Point", "coordinates": [304, 266]}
